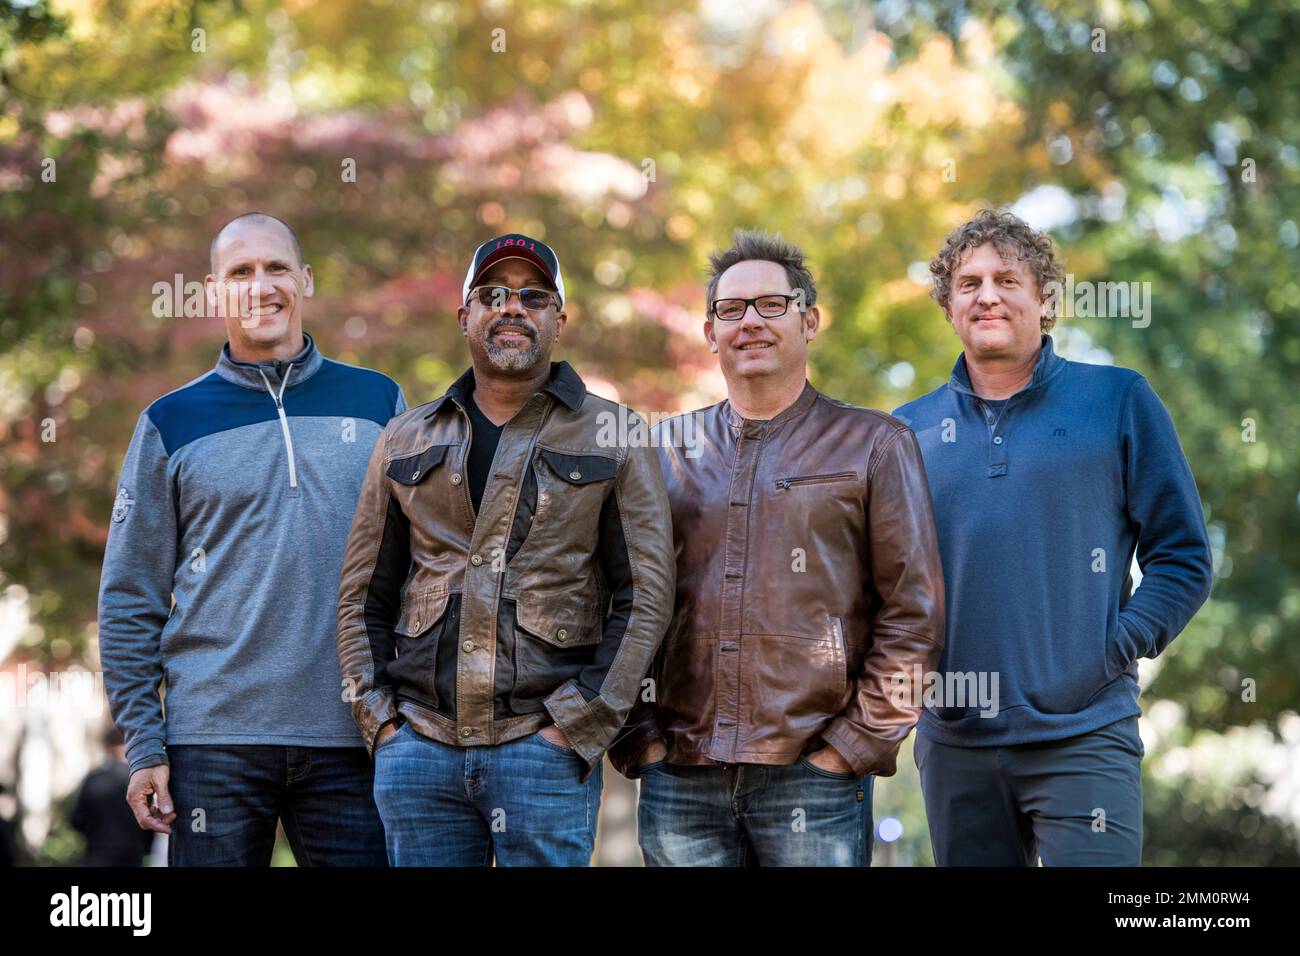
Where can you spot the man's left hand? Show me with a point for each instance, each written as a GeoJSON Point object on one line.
{"type": "Point", "coordinates": [555, 735]}
{"type": "Point", "coordinates": [828, 758]}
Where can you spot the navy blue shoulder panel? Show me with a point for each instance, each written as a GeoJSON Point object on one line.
{"type": "Point", "coordinates": [213, 404]}
{"type": "Point", "coordinates": [345, 391]}
{"type": "Point", "coordinates": [208, 406]}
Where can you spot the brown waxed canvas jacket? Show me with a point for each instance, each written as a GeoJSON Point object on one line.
{"type": "Point", "coordinates": [808, 576]}
{"type": "Point", "coordinates": [548, 604]}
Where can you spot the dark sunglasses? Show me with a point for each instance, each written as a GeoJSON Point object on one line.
{"type": "Point", "coordinates": [496, 296]}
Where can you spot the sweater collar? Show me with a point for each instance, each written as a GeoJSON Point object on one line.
{"type": "Point", "coordinates": [249, 374]}
{"type": "Point", "coordinates": [1047, 366]}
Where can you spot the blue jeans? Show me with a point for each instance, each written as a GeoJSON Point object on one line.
{"type": "Point", "coordinates": [754, 815]}
{"type": "Point", "coordinates": [523, 802]}
{"type": "Point", "coordinates": [228, 800]}
{"type": "Point", "coordinates": [1071, 802]}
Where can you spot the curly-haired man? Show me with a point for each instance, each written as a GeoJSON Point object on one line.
{"type": "Point", "coordinates": [1047, 476]}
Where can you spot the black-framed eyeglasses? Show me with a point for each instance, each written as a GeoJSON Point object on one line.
{"type": "Point", "coordinates": [768, 306]}
{"type": "Point", "coordinates": [496, 296]}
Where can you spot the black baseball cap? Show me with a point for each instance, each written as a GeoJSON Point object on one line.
{"type": "Point", "coordinates": [514, 246]}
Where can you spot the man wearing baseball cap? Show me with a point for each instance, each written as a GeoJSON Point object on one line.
{"type": "Point", "coordinates": [507, 581]}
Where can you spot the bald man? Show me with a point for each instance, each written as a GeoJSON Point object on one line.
{"type": "Point", "coordinates": [235, 500]}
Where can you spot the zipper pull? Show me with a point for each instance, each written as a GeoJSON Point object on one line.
{"type": "Point", "coordinates": [783, 483]}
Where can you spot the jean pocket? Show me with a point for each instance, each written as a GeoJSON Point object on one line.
{"type": "Point", "coordinates": [551, 745]}
{"type": "Point", "coordinates": [401, 729]}
{"type": "Point", "coordinates": [832, 774]}
{"type": "Point", "coordinates": [1124, 734]}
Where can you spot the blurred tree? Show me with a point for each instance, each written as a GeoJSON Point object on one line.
{"type": "Point", "coordinates": [1165, 134]}
{"type": "Point", "coordinates": [634, 136]}
{"type": "Point", "coordinates": [1189, 114]}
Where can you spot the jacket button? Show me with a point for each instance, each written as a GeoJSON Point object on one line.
{"type": "Point", "coordinates": [575, 475]}
{"type": "Point", "coordinates": [467, 731]}
{"type": "Point", "coordinates": [417, 625]}
{"type": "Point", "coordinates": [415, 474]}
{"type": "Point", "coordinates": [562, 634]}
{"type": "Point", "coordinates": [997, 440]}
{"type": "Point", "coordinates": [467, 646]}
{"type": "Point", "coordinates": [476, 560]}
{"type": "Point", "coordinates": [455, 479]}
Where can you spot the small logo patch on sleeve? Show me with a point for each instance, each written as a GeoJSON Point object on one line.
{"type": "Point", "coordinates": [122, 505]}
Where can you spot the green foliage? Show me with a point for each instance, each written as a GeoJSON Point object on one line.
{"type": "Point", "coordinates": [834, 124]}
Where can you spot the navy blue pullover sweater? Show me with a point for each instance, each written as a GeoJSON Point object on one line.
{"type": "Point", "coordinates": [1041, 506]}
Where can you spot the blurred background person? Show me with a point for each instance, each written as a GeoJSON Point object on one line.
{"type": "Point", "coordinates": [101, 813]}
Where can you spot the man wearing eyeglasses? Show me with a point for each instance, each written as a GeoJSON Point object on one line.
{"type": "Point", "coordinates": [808, 576]}
{"type": "Point", "coordinates": [507, 581]}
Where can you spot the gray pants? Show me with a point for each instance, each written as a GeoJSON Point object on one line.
{"type": "Point", "coordinates": [1072, 802]}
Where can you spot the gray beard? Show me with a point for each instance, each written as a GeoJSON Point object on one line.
{"type": "Point", "coordinates": [511, 360]}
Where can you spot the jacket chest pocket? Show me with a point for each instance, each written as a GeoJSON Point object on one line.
{"type": "Point", "coordinates": [571, 490]}
{"type": "Point", "coordinates": [793, 481]}
{"type": "Point", "coordinates": [420, 625]}
{"type": "Point", "coordinates": [554, 641]}
{"type": "Point", "coordinates": [411, 470]}
{"type": "Point", "coordinates": [428, 477]}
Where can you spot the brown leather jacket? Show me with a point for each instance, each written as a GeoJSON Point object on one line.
{"type": "Point", "coordinates": [808, 575]}
{"type": "Point", "coordinates": [548, 604]}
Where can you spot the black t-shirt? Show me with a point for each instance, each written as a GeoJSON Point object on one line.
{"type": "Point", "coordinates": [993, 408]}
{"type": "Point", "coordinates": [482, 449]}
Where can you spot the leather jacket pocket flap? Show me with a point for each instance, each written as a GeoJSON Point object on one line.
{"type": "Point", "coordinates": [412, 469]}
{"type": "Point", "coordinates": [561, 623]}
{"type": "Point", "coordinates": [420, 613]}
{"type": "Point", "coordinates": [580, 469]}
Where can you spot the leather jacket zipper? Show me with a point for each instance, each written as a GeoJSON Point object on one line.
{"type": "Point", "coordinates": [783, 483]}
{"type": "Point", "coordinates": [284, 421]}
